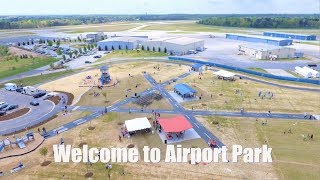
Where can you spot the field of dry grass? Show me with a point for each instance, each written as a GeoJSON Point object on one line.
{"type": "Point", "coordinates": [224, 96]}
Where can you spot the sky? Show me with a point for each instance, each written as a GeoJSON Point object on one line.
{"type": "Point", "coordinates": [63, 7]}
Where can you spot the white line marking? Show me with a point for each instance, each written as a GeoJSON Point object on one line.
{"type": "Point", "coordinates": [196, 125]}
{"type": "Point", "coordinates": [75, 108]}
{"type": "Point", "coordinates": [206, 135]}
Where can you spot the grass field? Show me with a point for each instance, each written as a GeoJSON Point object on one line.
{"type": "Point", "coordinates": [131, 54]}
{"type": "Point", "coordinates": [259, 70]}
{"type": "Point", "coordinates": [30, 81]}
{"type": "Point", "coordinates": [293, 158]}
{"type": "Point", "coordinates": [225, 98]}
{"type": "Point", "coordinates": [194, 27]}
{"type": "Point", "coordinates": [97, 27]}
{"type": "Point", "coordinates": [13, 67]}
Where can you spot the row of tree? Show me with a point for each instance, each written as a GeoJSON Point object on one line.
{"type": "Point", "coordinates": [20, 22]}
{"type": "Point", "coordinates": [263, 22]}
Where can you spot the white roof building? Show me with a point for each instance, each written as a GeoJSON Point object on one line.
{"type": "Point", "coordinates": [224, 73]}
{"type": "Point", "coordinates": [137, 124]}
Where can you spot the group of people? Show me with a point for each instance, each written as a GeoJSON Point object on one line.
{"type": "Point", "coordinates": [263, 94]}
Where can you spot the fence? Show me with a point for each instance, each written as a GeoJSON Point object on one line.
{"type": "Point", "coordinates": [261, 74]}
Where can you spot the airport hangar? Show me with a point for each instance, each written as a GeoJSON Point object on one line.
{"type": "Point", "coordinates": [174, 45]}
{"type": "Point", "coordinates": [260, 39]}
{"type": "Point", "coordinates": [265, 51]}
{"type": "Point", "coordinates": [290, 35]}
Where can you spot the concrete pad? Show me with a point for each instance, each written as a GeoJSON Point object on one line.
{"type": "Point", "coordinates": [179, 99]}
{"type": "Point", "coordinates": [188, 135]}
{"type": "Point", "coordinates": [279, 72]}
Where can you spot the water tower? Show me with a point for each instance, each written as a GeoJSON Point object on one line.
{"type": "Point", "coordinates": [105, 77]}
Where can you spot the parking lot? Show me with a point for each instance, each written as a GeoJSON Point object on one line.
{"type": "Point", "coordinates": [36, 112]}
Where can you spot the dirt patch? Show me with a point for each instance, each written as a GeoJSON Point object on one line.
{"type": "Point", "coordinates": [130, 146]}
{"type": "Point", "coordinates": [55, 99]}
{"type": "Point", "coordinates": [15, 114]}
{"type": "Point", "coordinates": [83, 143]}
{"type": "Point", "coordinates": [45, 163]}
{"type": "Point", "coordinates": [70, 96]}
{"type": "Point", "coordinates": [91, 128]}
{"type": "Point", "coordinates": [88, 174]}
{"type": "Point", "coordinates": [18, 51]}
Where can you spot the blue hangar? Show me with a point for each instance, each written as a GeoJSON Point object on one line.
{"type": "Point", "coordinates": [120, 43]}
{"type": "Point", "coordinates": [260, 39]}
{"type": "Point", "coordinates": [291, 35]}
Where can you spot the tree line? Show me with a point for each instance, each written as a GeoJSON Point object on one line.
{"type": "Point", "coordinates": [236, 20]}
{"type": "Point", "coordinates": [263, 22]}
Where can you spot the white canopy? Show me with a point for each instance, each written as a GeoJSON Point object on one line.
{"type": "Point", "coordinates": [137, 124]}
{"type": "Point", "coordinates": [224, 73]}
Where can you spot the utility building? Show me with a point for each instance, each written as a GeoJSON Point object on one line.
{"type": "Point", "coordinates": [291, 35]}
{"type": "Point", "coordinates": [175, 45]}
{"type": "Point", "coordinates": [267, 51]}
{"type": "Point", "coordinates": [184, 91]}
{"type": "Point", "coordinates": [120, 43]}
{"type": "Point", "coordinates": [260, 39]}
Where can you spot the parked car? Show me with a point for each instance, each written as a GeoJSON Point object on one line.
{"type": "Point", "coordinates": [19, 89]}
{"type": "Point", "coordinates": [3, 106]}
{"type": "Point", "coordinates": [47, 96]}
{"type": "Point", "coordinates": [87, 62]}
{"type": "Point", "coordinates": [2, 113]}
{"type": "Point", "coordinates": [97, 56]}
{"type": "Point", "coordinates": [10, 107]}
{"type": "Point", "coordinates": [40, 94]}
{"type": "Point", "coordinates": [34, 103]}
{"type": "Point", "coordinates": [2, 103]}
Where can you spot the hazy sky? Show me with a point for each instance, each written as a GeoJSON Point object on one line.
{"type": "Point", "coordinates": [37, 7]}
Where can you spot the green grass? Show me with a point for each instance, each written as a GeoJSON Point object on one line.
{"type": "Point", "coordinates": [132, 54]}
{"type": "Point", "coordinates": [191, 26]}
{"type": "Point", "coordinates": [315, 43]}
{"type": "Point", "coordinates": [30, 81]}
{"type": "Point", "coordinates": [104, 28]}
{"type": "Point", "coordinates": [13, 67]}
{"type": "Point", "coordinates": [258, 69]}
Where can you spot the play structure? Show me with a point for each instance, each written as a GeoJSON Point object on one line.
{"type": "Point", "coordinates": [105, 76]}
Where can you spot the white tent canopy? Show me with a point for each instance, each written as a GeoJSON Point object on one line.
{"type": "Point", "coordinates": [137, 124]}
{"type": "Point", "coordinates": [224, 73]}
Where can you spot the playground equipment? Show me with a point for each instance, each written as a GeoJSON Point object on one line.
{"type": "Point", "coordinates": [20, 143]}
{"type": "Point", "coordinates": [2, 145]}
{"type": "Point", "coordinates": [105, 77]}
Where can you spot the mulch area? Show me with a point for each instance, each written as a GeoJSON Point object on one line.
{"type": "Point", "coordinates": [88, 175]}
{"type": "Point", "coordinates": [69, 95]}
{"type": "Point", "coordinates": [45, 163]}
{"type": "Point", "coordinates": [55, 99]}
{"type": "Point", "coordinates": [15, 114]}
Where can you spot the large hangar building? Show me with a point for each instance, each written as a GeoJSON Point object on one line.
{"type": "Point", "coordinates": [175, 45]}
{"type": "Point", "coordinates": [121, 43]}
{"type": "Point", "coordinates": [291, 35]}
{"type": "Point", "coordinates": [260, 39]}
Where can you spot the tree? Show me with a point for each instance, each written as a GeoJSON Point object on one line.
{"type": "Point", "coordinates": [23, 43]}
{"type": "Point", "coordinates": [32, 42]}
{"type": "Point", "coordinates": [148, 49]}
{"type": "Point", "coordinates": [64, 57]}
{"type": "Point", "coordinates": [112, 48]}
{"type": "Point", "coordinates": [92, 46]}
{"type": "Point", "coordinates": [80, 50]}
{"type": "Point", "coordinates": [58, 43]}
{"type": "Point", "coordinates": [28, 43]}
{"type": "Point", "coordinates": [19, 44]}
{"type": "Point", "coordinates": [79, 39]}
{"type": "Point", "coordinates": [106, 48]}
{"type": "Point", "coordinates": [76, 52]}
{"type": "Point", "coordinates": [51, 66]}
{"type": "Point", "coordinates": [119, 47]}
{"type": "Point", "coordinates": [84, 49]}
{"type": "Point", "coordinates": [40, 41]}
{"type": "Point", "coordinates": [142, 48]}
{"type": "Point", "coordinates": [49, 43]}
{"type": "Point", "coordinates": [44, 152]}
{"type": "Point", "coordinates": [159, 49]}
{"type": "Point", "coordinates": [88, 47]}
{"type": "Point", "coordinates": [126, 47]}
{"type": "Point", "coordinates": [165, 50]}
{"type": "Point", "coordinates": [153, 49]}
{"type": "Point", "coordinates": [70, 54]}
{"type": "Point", "coordinates": [99, 48]}
{"type": "Point", "coordinates": [59, 51]}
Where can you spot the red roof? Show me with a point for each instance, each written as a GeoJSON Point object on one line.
{"type": "Point", "coordinates": [174, 124]}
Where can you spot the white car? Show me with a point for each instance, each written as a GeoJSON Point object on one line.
{"type": "Point", "coordinates": [47, 96]}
